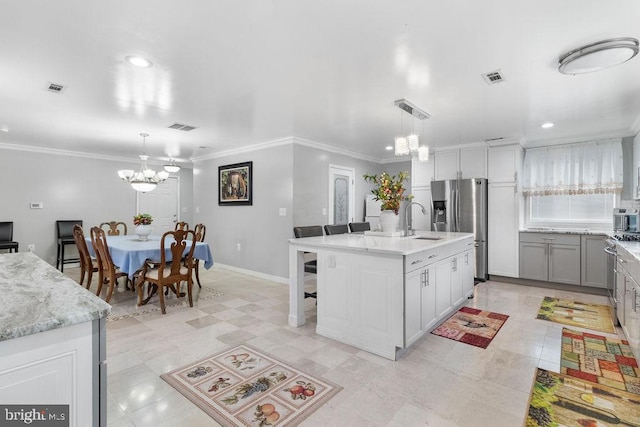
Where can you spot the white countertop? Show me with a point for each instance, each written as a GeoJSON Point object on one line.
{"type": "Point", "coordinates": [551, 230]}
{"type": "Point", "coordinates": [35, 297]}
{"type": "Point", "coordinates": [632, 247]}
{"type": "Point", "coordinates": [387, 245]}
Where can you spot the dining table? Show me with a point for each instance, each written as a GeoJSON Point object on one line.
{"type": "Point", "coordinates": [129, 252]}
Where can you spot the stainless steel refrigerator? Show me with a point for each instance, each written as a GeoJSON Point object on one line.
{"type": "Point", "coordinates": [461, 205]}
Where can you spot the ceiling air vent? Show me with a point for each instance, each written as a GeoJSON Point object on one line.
{"type": "Point", "coordinates": [494, 77]}
{"type": "Point", "coordinates": [55, 88]}
{"type": "Point", "coordinates": [180, 126]}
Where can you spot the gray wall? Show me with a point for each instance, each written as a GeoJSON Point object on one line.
{"type": "Point", "coordinates": [70, 187]}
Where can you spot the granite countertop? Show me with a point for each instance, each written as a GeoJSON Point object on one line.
{"type": "Point", "coordinates": [422, 240]}
{"type": "Point", "coordinates": [35, 297]}
{"type": "Point", "coordinates": [551, 230]}
{"type": "Point", "coordinates": [632, 247]}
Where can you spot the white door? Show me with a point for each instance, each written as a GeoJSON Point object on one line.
{"type": "Point", "coordinates": [162, 204]}
{"type": "Point", "coordinates": [341, 195]}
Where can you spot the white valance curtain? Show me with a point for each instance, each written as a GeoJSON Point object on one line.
{"type": "Point", "coordinates": [593, 167]}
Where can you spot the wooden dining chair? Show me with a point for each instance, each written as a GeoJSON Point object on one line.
{"type": "Point", "coordinates": [107, 272]}
{"type": "Point", "coordinates": [200, 231]}
{"type": "Point", "coordinates": [181, 225]}
{"type": "Point", "coordinates": [116, 228]}
{"type": "Point", "coordinates": [168, 274]}
{"type": "Point", "coordinates": [87, 265]}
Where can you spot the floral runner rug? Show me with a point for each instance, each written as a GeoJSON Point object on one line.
{"type": "Point", "coordinates": [246, 387]}
{"type": "Point", "coordinates": [598, 317]}
{"type": "Point", "coordinates": [472, 326]}
{"type": "Point", "coordinates": [599, 359]}
{"type": "Point", "coordinates": [561, 400]}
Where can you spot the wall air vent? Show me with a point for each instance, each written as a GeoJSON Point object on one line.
{"type": "Point", "coordinates": [180, 126]}
{"type": "Point", "coordinates": [55, 88]}
{"type": "Point", "coordinates": [494, 77]}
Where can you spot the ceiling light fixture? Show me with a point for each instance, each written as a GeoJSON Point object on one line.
{"type": "Point", "coordinates": [411, 143]}
{"type": "Point", "coordinates": [172, 167]}
{"type": "Point", "coordinates": [146, 179]}
{"type": "Point", "coordinates": [547, 125]}
{"type": "Point", "coordinates": [139, 61]}
{"type": "Point", "coordinates": [598, 56]}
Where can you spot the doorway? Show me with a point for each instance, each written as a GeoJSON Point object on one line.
{"type": "Point", "coordinates": [341, 194]}
{"type": "Point", "coordinates": [162, 204]}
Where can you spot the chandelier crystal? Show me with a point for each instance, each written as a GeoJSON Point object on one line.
{"type": "Point", "coordinates": [145, 179]}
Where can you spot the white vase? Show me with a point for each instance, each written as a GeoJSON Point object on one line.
{"type": "Point", "coordinates": [143, 231]}
{"type": "Point", "coordinates": [389, 221]}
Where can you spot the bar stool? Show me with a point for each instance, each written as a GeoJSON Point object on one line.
{"type": "Point", "coordinates": [6, 237]}
{"type": "Point", "coordinates": [64, 234]}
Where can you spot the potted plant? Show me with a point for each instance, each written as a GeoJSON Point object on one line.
{"type": "Point", "coordinates": [143, 225]}
{"type": "Point", "coordinates": [389, 189]}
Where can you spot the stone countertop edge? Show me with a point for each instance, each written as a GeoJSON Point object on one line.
{"type": "Point", "coordinates": [632, 247]}
{"type": "Point", "coordinates": [567, 231]}
{"type": "Point", "coordinates": [382, 245]}
{"type": "Point", "coordinates": [36, 297]}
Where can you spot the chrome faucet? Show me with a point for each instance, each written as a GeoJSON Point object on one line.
{"type": "Point", "coordinates": [408, 231]}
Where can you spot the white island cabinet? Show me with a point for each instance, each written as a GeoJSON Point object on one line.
{"type": "Point", "coordinates": [381, 294]}
{"type": "Point", "coordinates": [52, 341]}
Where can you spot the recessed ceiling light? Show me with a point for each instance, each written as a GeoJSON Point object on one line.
{"type": "Point", "coordinates": [139, 61]}
{"type": "Point", "coordinates": [547, 125]}
{"type": "Point", "coordinates": [388, 148]}
{"type": "Point", "coordinates": [4, 128]}
{"type": "Point", "coordinates": [598, 56]}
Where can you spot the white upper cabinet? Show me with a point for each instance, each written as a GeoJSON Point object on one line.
{"type": "Point", "coordinates": [422, 173]}
{"type": "Point", "coordinates": [504, 163]}
{"type": "Point", "coordinates": [467, 162]}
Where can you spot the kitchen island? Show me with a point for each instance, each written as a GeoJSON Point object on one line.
{"type": "Point", "coordinates": [381, 294]}
{"type": "Point", "coordinates": [52, 341]}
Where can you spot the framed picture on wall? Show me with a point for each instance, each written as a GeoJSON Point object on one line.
{"type": "Point", "coordinates": [235, 184]}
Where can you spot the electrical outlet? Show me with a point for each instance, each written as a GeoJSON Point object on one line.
{"type": "Point", "coordinates": [31, 248]}
{"type": "Point", "coordinates": [238, 247]}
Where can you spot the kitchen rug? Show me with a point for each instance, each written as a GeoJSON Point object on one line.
{"type": "Point", "coordinates": [599, 359]}
{"type": "Point", "coordinates": [598, 317]}
{"type": "Point", "coordinates": [246, 387]}
{"type": "Point", "coordinates": [472, 326]}
{"type": "Point", "coordinates": [561, 400]}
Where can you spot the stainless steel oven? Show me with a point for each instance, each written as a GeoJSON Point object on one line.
{"type": "Point", "coordinates": [610, 250]}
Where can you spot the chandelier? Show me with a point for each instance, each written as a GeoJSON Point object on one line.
{"type": "Point", "coordinates": [145, 179]}
{"type": "Point", "coordinates": [410, 144]}
{"type": "Point", "coordinates": [172, 167]}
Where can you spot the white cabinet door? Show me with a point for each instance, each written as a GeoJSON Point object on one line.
{"type": "Point", "coordinates": [564, 264]}
{"type": "Point", "coordinates": [504, 163]}
{"type": "Point", "coordinates": [594, 261]}
{"type": "Point", "coordinates": [419, 221]}
{"type": "Point", "coordinates": [422, 173]}
{"type": "Point", "coordinates": [413, 283]}
{"type": "Point", "coordinates": [621, 286]}
{"type": "Point", "coordinates": [534, 261]}
{"type": "Point", "coordinates": [473, 162]}
{"type": "Point", "coordinates": [503, 229]}
{"type": "Point", "coordinates": [468, 273]}
{"type": "Point", "coordinates": [429, 315]}
{"type": "Point", "coordinates": [446, 164]}
{"type": "Point", "coordinates": [457, 265]}
{"type": "Point", "coordinates": [632, 316]}
{"type": "Point", "coordinates": [443, 287]}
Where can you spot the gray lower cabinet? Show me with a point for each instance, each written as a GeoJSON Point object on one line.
{"type": "Point", "coordinates": [550, 257]}
{"type": "Point", "coordinates": [594, 261]}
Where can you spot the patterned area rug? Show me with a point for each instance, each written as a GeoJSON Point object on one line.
{"type": "Point", "coordinates": [561, 400]}
{"type": "Point", "coordinates": [599, 359]}
{"type": "Point", "coordinates": [472, 326]}
{"type": "Point", "coordinates": [598, 317]}
{"type": "Point", "coordinates": [246, 387]}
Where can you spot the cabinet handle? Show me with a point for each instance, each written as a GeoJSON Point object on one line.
{"type": "Point", "coordinates": [515, 176]}
{"type": "Point", "coordinates": [427, 276]}
{"type": "Point", "coordinates": [466, 259]}
{"type": "Point", "coordinates": [418, 261]}
{"type": "Point", "coordinates": [433, 256]}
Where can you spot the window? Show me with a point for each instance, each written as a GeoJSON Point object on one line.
{"type": "Point", "coordinates": [575, 185]}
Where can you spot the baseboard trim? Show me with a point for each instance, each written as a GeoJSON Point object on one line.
{"type": "Point", "coordinates": [549, 285]}
{"type": "Point", "coordinates": [283, 280]}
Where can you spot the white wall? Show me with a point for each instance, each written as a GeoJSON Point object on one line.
{"type": "Point", "coordinates": [70, 188]}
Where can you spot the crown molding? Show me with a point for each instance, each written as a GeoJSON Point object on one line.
{"type": "Point", "coordinates": [574, 140]}
{"type": "Point", "coordinates": [332, 149]}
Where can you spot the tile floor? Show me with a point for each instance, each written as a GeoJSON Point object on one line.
{"type": "Point", "coordinates": [439, 382]}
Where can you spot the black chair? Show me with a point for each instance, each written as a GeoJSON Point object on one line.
{"type": "Point", "coordinates": [336, 229]}
{"type": "Point", "coordinates": [6, 237]}
{"type": "Point", "coordinates": [359, 227]}
{"type": "Point", "coordinates": [310, 266]}
{"type": "Point", "coordinates": [64, 234]}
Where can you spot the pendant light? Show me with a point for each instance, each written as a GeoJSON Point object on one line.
{"type": "Point", "coordinates": [172, 167]}
{"type": "Point", "coordinates": [411, 144]}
